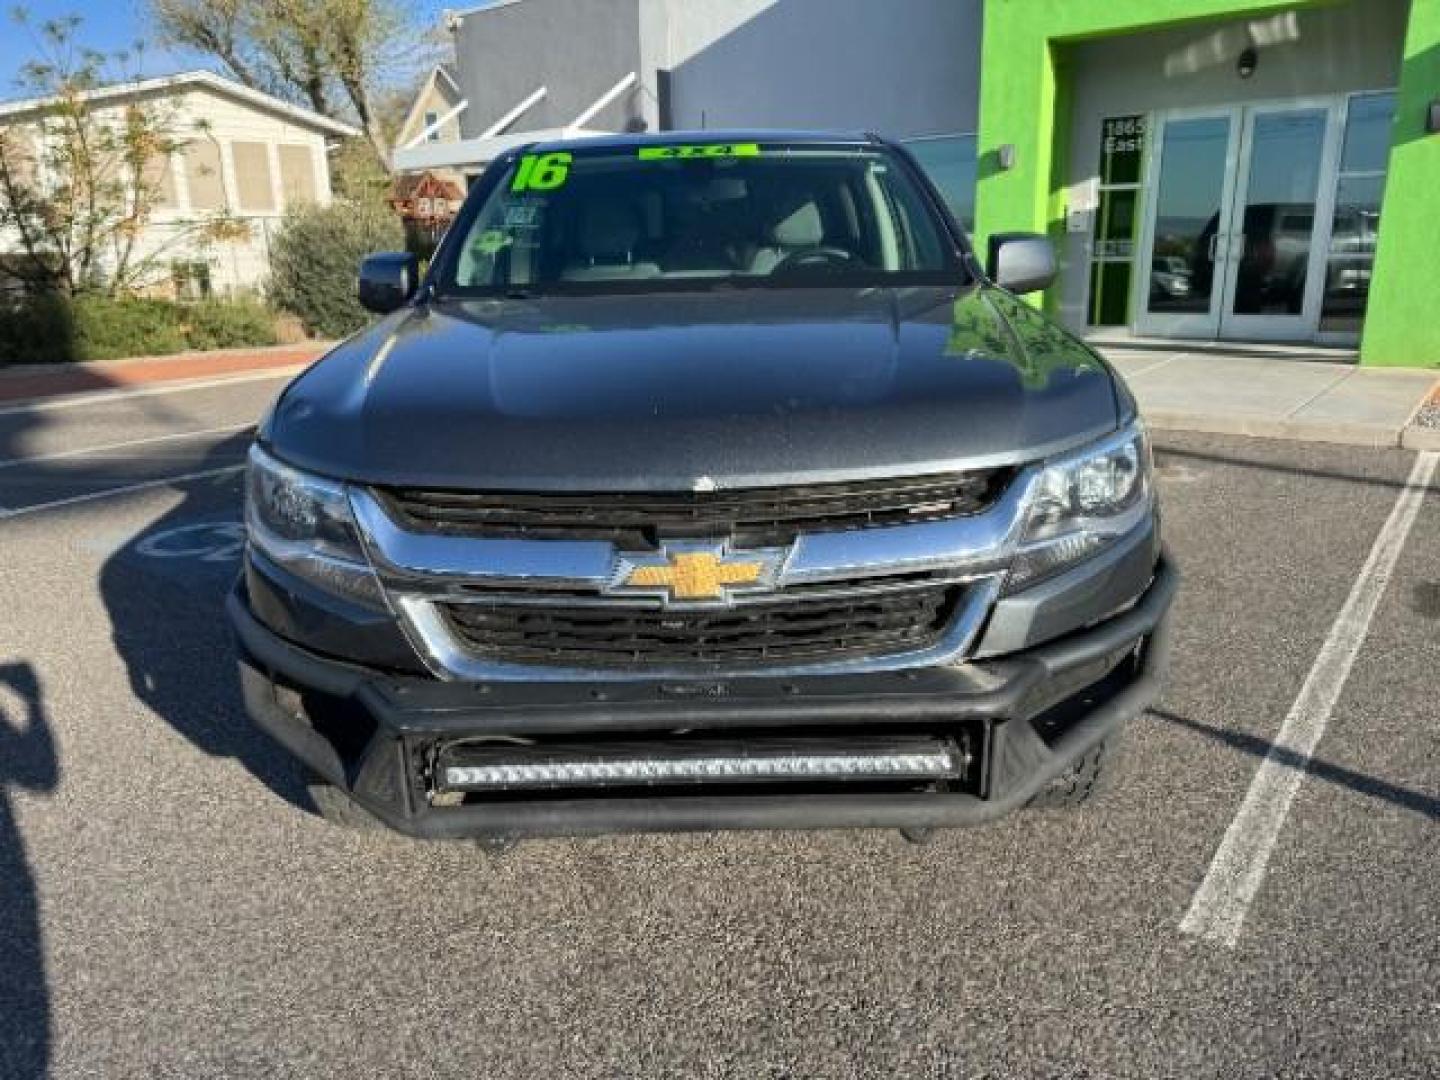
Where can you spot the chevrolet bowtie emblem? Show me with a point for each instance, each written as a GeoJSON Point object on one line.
{"type": "Point", "coordinates": [701, 573]}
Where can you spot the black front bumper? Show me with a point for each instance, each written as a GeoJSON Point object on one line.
{"type": "Point", "coordinates": [1027, 716]}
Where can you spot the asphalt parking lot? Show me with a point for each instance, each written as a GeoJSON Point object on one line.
{"type": "Point", "coordinates": [169, 909]}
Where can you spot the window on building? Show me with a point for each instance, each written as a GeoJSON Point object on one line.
{"type": "Point", "coordinates": [252, 176]}
{"type": "Point", "coordinates": [950, 162]}
{"type": "Point", "coordinates": [1112, 253]}
{"type": "Point", "coordinates": [203, 176]}
{"type": "Point", "coordinates": [1359, 189]}
{"type": "Point", "coordinates": [159, 179]}
{"type": "Point", "coordinates": [297, 174]}
{"type": "Point", "coordinates": [18, 147]}
{"type": "Point", "coordinates": [432, 118]}
{"type": "Point", "coordinates": [191, 280]}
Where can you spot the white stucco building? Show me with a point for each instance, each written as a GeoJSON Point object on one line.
{"type": "Point", "coordinates": [240, 153]}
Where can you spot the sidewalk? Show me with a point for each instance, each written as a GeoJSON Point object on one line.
{"type": "Point", "coordinates": [1281, 393]}
{"type": "Point", "coordinates": [25, 381]}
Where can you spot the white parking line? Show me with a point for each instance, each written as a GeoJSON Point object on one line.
{"type": "Point", "coordinates": [1220, 905]}
{"type": "Point", "coordinates": [101, 397]}
{"type": "Point", "coordinates": [128, 443]}
{"type": "Point", "coordinates": [92, 496]}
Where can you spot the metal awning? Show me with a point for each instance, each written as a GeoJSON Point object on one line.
{"type": "Point", "coordinates": [471, 154]}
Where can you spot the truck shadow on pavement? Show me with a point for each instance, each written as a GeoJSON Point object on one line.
{"type": "Point", "coordinates": [168, 623]}
{"type": "Point", "coordinates": [1418, 802]}
{"type": "Point", "coordinates": [27, 762]}
{"type": "Point", "coordinates": [170, 631]}
{"type": "Point", "coordinates": [1168, 453]}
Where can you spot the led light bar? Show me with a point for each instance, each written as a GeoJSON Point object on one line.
{"type": "Point", "coordinates": [469, 769]}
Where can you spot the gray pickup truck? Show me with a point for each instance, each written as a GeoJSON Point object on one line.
{"type": "Point", "coordinates": [704, 481]}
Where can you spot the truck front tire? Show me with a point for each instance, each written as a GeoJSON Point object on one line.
{"type": "Point", "coordinates": [1089, 777]}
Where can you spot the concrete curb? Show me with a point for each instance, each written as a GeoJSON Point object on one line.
{"type": "Point", "coordinates": [1420, 438]}
{"type": "Point", "coordinates": [155, 363]}
{"type": "Point", "coordinates": [32, 384]}
{"type": "Point", "coordinates": [1370, 436]}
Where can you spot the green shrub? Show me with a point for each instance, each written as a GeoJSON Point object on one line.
{"type": "Point", "coordinates": [315, 257]}
{"type": "Point", "coordinates": [38, 331]}
{"type": "Point", "coordinates": [57, 329]}
{"type": "Point", "coordinates": [107, 329]}
{"type": "Point", "coordinates": [228, 324]}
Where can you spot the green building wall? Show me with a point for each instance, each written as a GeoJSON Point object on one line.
{"type": "Point", "coordinates": [1024, 103]}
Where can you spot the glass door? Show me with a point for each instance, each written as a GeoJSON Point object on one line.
{"type": "Point", "coordinates": [1182, 280]}
{"type": "Point", "coordinates": [1238, 231]}
{"type": "Point", "coordinates": [1355, 221]}
{"type": "Point", "coordinates": [1273, 265]}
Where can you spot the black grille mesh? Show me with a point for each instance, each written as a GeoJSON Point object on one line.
{"type": "Point", "coordinates": [812, 629]}
{"type": "Point", "coordinates": [752, 517]}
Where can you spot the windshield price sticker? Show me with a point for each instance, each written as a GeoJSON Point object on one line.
{"type": "Point", "coordinates": [542, 172]}
{"type": "Point", "coordinates": [711, 150]}
{"type": "Point", "coordinates": [522, 215]}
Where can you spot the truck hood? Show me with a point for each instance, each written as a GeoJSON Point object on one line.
{"type": "Point", "coordinates": [750, 387]}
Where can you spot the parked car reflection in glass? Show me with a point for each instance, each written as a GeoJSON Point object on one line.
{"type": "Point", "coordinates": [1169, 279]}
{"type": "Point", "coordinates": [1274, 254]}
{"type": "Point", "coordinates": [1352, 260]}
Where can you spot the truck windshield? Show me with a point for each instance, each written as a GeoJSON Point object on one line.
{"type": "Point", "coordinates": [673, 217]}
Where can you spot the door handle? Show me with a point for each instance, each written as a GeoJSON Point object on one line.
{"type": "Point", "coordinates": [1214, 246]}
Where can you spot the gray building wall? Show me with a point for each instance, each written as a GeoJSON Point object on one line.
{"type": "Point", "coordinates": [1324, 51]}
{"type": "Point", "coordinates": [578, 49]}
{"type": "Point", "coordinates": [899, 67]}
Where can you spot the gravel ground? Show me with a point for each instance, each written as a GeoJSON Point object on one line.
{"type": "Point", "coordinates": [1429, 414]}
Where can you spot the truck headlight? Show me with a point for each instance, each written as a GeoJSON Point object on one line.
{"type": "Point", "coordinates": [1084, 502]}
{"type": "Point", "coordinates": [303, 523]}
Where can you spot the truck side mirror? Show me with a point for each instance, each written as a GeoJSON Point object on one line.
{"type": "Point", "coordinates": [388, 281]}
{"type": "Point", "coordinates": [1021, 262]}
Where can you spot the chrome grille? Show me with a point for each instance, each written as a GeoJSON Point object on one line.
{"type": "Point", "coordinates": [810, 627]}
{"type": "Point", "coordinates": [750, 517]}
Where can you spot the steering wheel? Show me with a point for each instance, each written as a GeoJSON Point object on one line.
{"type": "Point", "coordinates": [818, 256]}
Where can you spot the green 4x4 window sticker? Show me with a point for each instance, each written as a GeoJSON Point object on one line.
{"type": "Point", "coordinates": [542, 172]}
{"type": "Point", "coordinates": [706, 150]}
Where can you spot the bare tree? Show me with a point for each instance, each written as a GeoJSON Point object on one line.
{"type": "Point", "coordinates": [81, 176]}
{"type": "Point", "coordinates": [336, 56]}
